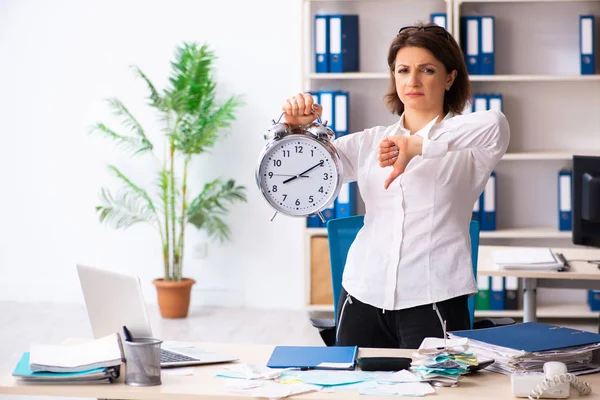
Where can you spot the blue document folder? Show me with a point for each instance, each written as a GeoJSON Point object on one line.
{"type": "Point", "coordinates": [99, 375]}
{"type": "Point", "coordinates": [531, 336]}
{"type": "Point", "coordinates": [314, 357]}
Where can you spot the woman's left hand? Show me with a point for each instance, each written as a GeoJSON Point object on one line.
{"type": "Point", "coordinates": [397, 151]}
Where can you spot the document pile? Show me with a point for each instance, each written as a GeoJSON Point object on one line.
{"type": "Point", "coordinates": [532, 258]}
{"type": "Point", "coordinates": [443, 361]}
{"type": "Point", "coordinates": [526, 347]}
{"type": "Point", "coordinates": [258, 381]}
{"type": "Point", "coordinates": [96, 361]}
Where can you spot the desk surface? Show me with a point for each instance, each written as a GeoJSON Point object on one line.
{"type": "Point", "coordinates": [579, 270]}
{"type": "Point", "coordinates": [205, 385]}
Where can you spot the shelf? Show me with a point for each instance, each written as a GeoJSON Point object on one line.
{"type": "Point", "coordinates": [544, 311]}
{"type": "Point", "coordinates": [545, 155]}
{"type": "Point", "coordinates": [533, 78]}
{"type": "Point", "coordinates": [518, 1]}
{"type": "Point", "coordinates": [473, 78]}
{"type": "Point", "coordinates": [526, 233]}
{"type": "Point", "coordinates": [350, 75]}
{"type": "Point", "coordinates": [519, 233]}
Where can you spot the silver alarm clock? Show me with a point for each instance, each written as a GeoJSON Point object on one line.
{"type": "Point", "coordinates": [299, 172]}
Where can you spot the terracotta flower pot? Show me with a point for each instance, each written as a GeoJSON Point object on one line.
{"type": "Point", "coordinates": [174, 297]}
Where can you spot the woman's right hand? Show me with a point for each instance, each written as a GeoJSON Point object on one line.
{"type": "Point", "coordinates": [298, 110]}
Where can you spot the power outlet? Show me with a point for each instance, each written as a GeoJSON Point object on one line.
{"type": "Point", "coordinates": [200, 250]}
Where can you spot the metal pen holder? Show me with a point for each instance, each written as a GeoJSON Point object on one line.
{"type": "Point", "coordinates": [142, 362]}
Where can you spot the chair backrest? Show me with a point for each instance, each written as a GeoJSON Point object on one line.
{"type": "Point", "coordinates": [342, 232]}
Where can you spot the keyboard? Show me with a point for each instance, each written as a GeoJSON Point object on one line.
{"type": "Point", "coordinates": [167, 356]}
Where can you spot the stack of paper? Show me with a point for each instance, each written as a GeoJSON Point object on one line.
{"type": "Point", "coordinates": [443, 360]}
{"type": "Point", "coordinates": [538, 258]}
{"type": "Point", "coordinates": [94, 361]}
{"type": "Point", "coordinates": [526, 347]}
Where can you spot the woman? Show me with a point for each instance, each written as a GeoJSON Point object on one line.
{"type": "Point", "coordinates": [413, 253]}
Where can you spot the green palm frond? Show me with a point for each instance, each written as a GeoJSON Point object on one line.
{"type": "Point", "coordinates": [200, 132]}
{"type": "Point", "coordinates": [191, 76]}
{"type": "Point", "coordinates": [130, 144]}
{"type": "Point", "coordinates": [123, 210]}
{"type": "Point", "coordinates": [206, 209]}
{"type": "Point", "coordinates": [139, 192]}
{"type": "Point", "coordinates": [129, 121]}
{"type": "Point", "coordinates": [156, 100]}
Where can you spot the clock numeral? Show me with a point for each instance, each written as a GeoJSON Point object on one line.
{"type": "Point", "coordinates": [299, 149]}
{"type": "Point", "coordinates": [274, 188]}
{"type": "Point", "coordinates": [311, 199]}
{"type": "Point", "coordinates": [321, 163]}
{"type": "Point", "coordinates": [321, 189]}
{"type": "Point", "coordinates": [312, 153]}
{"type": "Point", "coordinates": [286, 153]}
{"type": "Point", "coordinates": [277, 163]}
{"type": "Point", "coordinates": [284, 197]}
{"type": "Point", "coordinates": [270, 175]}
{"type": "Point", "coordinates": [325, 176]}
{"type": "Point", "coordinates": [297, 202]}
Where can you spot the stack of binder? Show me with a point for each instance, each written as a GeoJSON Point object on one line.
{"type": "Point", "coordinates": [478, 43]}
{"type": "Point", "coordinates": [526, 347]}
{"type": "Point", "coordinates": [497, 293]}
{"type": "Point", "coordinates": [97, 361]}
{"type": "Point", "coordinates": [336, 43]}
{"type": "Point", "coordinates": [484, 209]}
{"type": "Point", "coordinates": [336, 106]}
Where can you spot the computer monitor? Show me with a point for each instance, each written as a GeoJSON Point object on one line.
{"type": "Point", "coordinates": [586, 200]}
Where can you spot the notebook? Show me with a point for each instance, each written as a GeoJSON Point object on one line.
{"type": "Point", "coordinates": [99, 353]}
{"type": "Point", "coordinates": [538, 258]}
{"type": "Point", "coordinates": [314, 357]}
{"type": "Point", "coordinates": [531, 337]}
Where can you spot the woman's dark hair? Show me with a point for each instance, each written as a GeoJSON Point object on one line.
{"type": "Point", "coordinates": [443, 46]}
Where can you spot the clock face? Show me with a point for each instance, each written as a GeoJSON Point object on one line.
{"type": "Point", "coordinates": [298, 176]}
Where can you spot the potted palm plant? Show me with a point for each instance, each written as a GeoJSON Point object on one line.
{"type": "Point", "coordinates": [192, 122]}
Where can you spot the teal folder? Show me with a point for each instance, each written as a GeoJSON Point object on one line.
{"type": "Point", "coordinates": [314, 357]}
{"type": "Point", "coordinates": [22, 371]}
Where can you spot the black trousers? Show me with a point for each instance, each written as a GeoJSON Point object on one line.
{"type": "Point", "coordinates": [363, 325]}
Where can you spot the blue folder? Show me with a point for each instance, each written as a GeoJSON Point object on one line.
{"type": "Point", "coordinates": [311, 357]}
{"type": "Point", "coordinates": [531, 336]}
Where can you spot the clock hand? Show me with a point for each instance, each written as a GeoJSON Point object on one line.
{"type": "Point", "coordinates": [301, 176]}
{"type": "Point", "coordinates": [303, 172]}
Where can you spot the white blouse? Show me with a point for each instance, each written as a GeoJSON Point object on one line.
{"type": "Point", "coordinates": [414, 247]}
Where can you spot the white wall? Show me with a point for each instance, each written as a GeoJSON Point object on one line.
{"type": "Point", "coordinates": [59, 60]}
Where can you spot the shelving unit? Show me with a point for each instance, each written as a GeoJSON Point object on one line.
{"type": "Point", "coordinates": [552, 110]}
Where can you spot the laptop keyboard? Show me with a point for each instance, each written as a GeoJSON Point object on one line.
{"type": "Point", "coordinates": [167, 356]}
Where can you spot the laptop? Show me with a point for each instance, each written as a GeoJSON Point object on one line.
{"type": "Point", "coordinates": [115, 300]}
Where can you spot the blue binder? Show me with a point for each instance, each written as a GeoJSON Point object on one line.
{"type": "Point", "coordinates": [594, 300]}
{"type": "Point", "coordinates": [321, 44]}
{"type": "Point", "coordinates": [497, 297]}
{"type": "Point", "coordinates": [476, 215]}
{"type": "Point", "coordinates": [312, 357]}
{"type": "Point", "coordinates": [341, 107]}
{"type": "Point", "coordinates": [488, 205]}
{"type": "Point", "coordinates": [470, 38]}
{"type": "Point", "coordinates": [565, 214]}
{"type": "Point", "coordinates": [486, 52]}
{"type": "Point", "coordinates": [495, 102]}
{"type": "Point", "coordinates": [480, 102]}
{"type": "Point", "coordinates": [345, 204]}
{"type": "Point", "coordinates": [343, 43]}
{"type": "Point", "coordinates": [531, 336]}
{"type": "Point", "coordinates": [587, 45]}
{"type": "Point", "coordinates": [439, 19]}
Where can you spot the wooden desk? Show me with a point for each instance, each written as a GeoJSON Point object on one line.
{"type": "Point", "coordinates": [205, 385]}
{"type": "Point", "coordinates": [582, 275]}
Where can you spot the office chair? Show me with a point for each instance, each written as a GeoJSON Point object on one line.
{"type": "Point", "coordinates": [341, 233]}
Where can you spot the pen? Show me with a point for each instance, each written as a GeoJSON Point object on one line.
{"type": "Point", "coordinates": [127, 334]}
